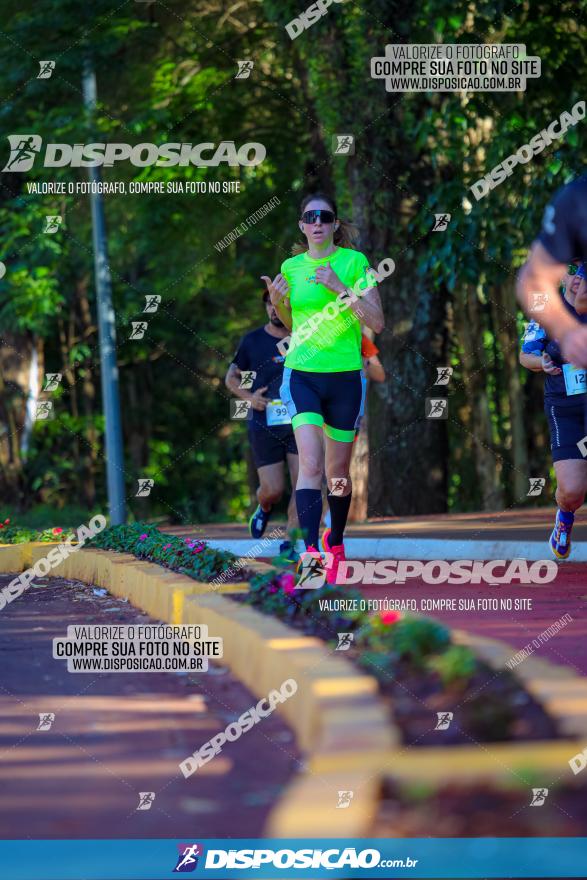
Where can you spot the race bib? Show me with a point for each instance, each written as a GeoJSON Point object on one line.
{"type": "Point", "coordinates": [575, 379]}
{"type": "Point", "coordinates": [277, 413]}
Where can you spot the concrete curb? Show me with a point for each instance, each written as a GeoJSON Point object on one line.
{"type": "Point", "coordinates": [423, 549]}
{"type": "Point", "coordinates": [562, 692]}
{"type": "Point", "coordinates": [338, 718]}
{"type": "Point", "coordinates": [12, 557]}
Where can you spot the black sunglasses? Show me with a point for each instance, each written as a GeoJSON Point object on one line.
{"type": "Point", "coordinates": [314, 216]}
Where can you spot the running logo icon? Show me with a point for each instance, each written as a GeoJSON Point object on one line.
{"type": "Point", "coordinates": [52, 381]}
{"type": "Point", "coordinates": [138, 329]}
{"type": "Point", "coordinates": [47, 68]}
{"type": "Point", "coordinates": [46, 719]}
{"type": "Point", "coordinates": [146, 799]}
{"type": "Point", "coordinates": [23, 149]}
{"type": "Point", "coordinates": [539, 300]}
{"type": "Point", "coordinates": [539, 795]}
{"type": "Point", "coordinates": [444, 374]}
{"type": "Point", "coordinates": [152, 303]}
{"type": "Point", "coordinates": [537, 484]}
{"type": "Point", "coordinates": [345, 640]}
{"type": "Point", "coordinates": [247, 379]}
{"type": "Point", "coordinates": [52, 223]}
{"type": "Point", "coordinates": [312, 572]}
{"type": "Point", "coordinates": [436, 408]}
{"type": "Point", "coordinates": [187, 861]}
{"type": "Point", "coordinates": [44, 409]}
{"type": "Point", "coordinates": [441, 222]}
{"type": "Point", "coordinates": [344, 799]}
{"type": "Point", "coordinates": [444, 720]}
{"type": "Point", "coordinates": [240, 409]}
{"type": "Point", "coordinates": [145, 487]}
{"type": "Point", "coordinates": [244, 69]}
{"type": "Point", "coordinates": [343, 144]}
{"type": "Point", "coordinates": [338, 485]}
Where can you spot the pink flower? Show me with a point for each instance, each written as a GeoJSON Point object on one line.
{"type": "Point", "coordinates": [6, 521]}
{"type": "Point", "coordinates": [57, 531]}
{"type": "Point", "coordinates": [142, 537]}
{"type": "Point", "coordinates": [287, 583]}
{"type": "Point", "coordinates": [197, 549]}
{"type": "Point", "coordinates": [388, 618]}
{"type": "Point", "coordinates": [167, 546]}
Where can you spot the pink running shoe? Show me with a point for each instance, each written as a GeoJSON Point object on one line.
{"type": "Point", "coordinates": [334, 556]}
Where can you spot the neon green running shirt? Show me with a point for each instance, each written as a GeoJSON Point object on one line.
{"type": "Point", "coordinates": [324, 341]}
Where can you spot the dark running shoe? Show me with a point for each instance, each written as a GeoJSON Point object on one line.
{"type": "Point", "coordinates": [258, 522]}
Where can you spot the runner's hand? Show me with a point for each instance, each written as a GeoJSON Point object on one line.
{"type": "Point", "coordinates": [549, 366]}
{"type": "Point", "coordinates": [574, 346]}
{"type": "Point", "coordinates": [327, 276]}
{"type": "Point", "coordinates": [278, 288]}
{"type": "Point", "coordinates": [259, 402]}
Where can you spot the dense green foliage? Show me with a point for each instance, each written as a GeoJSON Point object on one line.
{"type": "Point", "coordinates": [166, 73]}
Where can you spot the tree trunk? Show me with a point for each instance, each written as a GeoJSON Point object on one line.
{"type": "Point", "coordinates": [88, 329]}
{"type": "Point", "coordinates": [488, 462]}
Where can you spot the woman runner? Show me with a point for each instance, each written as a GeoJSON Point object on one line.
{"type": "Point", "coordinates": [323, 293]}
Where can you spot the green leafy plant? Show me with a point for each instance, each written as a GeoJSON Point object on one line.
{"type": "Point", "coordinates": [409, 638]}
{"type": "Point", "coordinates": [456, 665]}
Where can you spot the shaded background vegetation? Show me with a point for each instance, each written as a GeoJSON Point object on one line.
{"type": "Point", "coordinates": [165, 72]}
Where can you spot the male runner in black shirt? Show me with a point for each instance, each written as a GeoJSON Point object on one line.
{"type": "Point", "coordinates": [562, 239]}
{"type": "Point", "coordinates": [270, 432]}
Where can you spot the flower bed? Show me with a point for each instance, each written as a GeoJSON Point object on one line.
{"type": "Point", "coordinates": [183, 555]}
{"type": "Point", "coordinates": [415, 664]}
{"type": "Point", "coordinates": [412, 658]}
{"type": "Point", "coordinates": [10, 534]}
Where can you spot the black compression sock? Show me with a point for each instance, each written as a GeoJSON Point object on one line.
{"type": "Point", "coordinates": [309, 505]}
{"type": "Point", "coordinates": [339, 510]}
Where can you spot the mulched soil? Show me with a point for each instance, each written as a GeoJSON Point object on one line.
{"type": "Point", "coordinates": [493, 706]}
{"type": "Point", "coordinates": [481, 811]}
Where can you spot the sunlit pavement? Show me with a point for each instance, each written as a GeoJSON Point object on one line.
{"type": "Point", "coordinates": [118, 734]}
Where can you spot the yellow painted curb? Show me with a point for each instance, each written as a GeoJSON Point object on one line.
{"type": "Point", "coordinates": [12, 558]}
{"type": "Point", "coordinates": [513, 763]}
{"type": "Point", "coordinates": [561, 691]}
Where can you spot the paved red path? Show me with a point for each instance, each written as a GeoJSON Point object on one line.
{"type": "Point", "coordinates": [566, 594]}
{"type": "Point", "coordinates": [118, 734]}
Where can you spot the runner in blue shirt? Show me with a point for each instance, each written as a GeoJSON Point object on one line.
{"type": "Point", "coordinates": [270, 432]}
{"type": "Point", "coordinates": [562, 239]}
{"type": "Point", "coordinates": [564, 404]}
